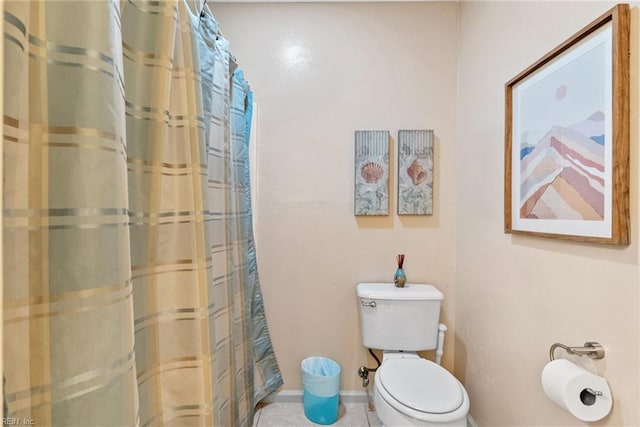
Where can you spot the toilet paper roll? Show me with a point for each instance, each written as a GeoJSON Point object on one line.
{"type": "Point", "coordinates": [571, 387]}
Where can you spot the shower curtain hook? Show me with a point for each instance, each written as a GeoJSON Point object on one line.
{"type": "Point", "coordinates": [204, 4]}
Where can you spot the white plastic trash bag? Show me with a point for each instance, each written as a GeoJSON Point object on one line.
{"type": "Point", "coordinates": [320, 376]}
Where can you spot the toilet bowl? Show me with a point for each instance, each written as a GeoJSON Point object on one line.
{"type": "Point", "coordinates": [411, 391]}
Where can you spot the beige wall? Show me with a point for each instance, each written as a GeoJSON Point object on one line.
{"type": "Point", "coordinates": [1, 210]}
{"type": "Point", "coordinates": [319, 72]}
{"type": "Point", "coordinates": [517, 295]}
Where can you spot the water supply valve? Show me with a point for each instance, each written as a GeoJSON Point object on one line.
{"type": "Point", "coordinates": [363, 372]}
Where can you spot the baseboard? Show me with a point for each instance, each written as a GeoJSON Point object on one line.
{"type": "Point", "coordinates": [295, 396]}
{"type": "Point", "coordinates": [354, 397]}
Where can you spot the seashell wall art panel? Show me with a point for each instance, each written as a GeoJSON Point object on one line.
{"type": "Point", "coordinates": [372, 172]}
{"type": "Point", "coordinates": [415, 172]}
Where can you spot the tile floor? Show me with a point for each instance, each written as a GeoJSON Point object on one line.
{"type": "Point", "coordinates": [282, 414]}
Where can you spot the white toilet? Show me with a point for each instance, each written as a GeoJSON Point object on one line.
{"type": "Point", "coordinates": [409, 390]}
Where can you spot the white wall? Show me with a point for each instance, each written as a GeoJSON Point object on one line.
{"type": "Point", "coordinates": [517, 295]}
{"type": "Point", "coordinates": [320, 72]}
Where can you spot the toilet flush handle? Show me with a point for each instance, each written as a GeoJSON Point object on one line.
{"type": "Point", "coordinates": [371, 304]}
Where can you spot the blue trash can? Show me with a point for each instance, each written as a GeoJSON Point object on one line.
{"type": "Point", "coordinates": [320, 389]}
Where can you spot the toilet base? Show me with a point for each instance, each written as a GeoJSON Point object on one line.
{"type": "Point", "coordinates": [390, 417]}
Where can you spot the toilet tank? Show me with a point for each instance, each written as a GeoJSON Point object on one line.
{"type": "Point", "coordinates": [394, 318]}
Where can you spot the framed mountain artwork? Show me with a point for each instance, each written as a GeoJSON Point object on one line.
{"type": "Point", "coordinates": [567, 138]}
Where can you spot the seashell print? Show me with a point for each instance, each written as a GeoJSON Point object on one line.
{"type": "Point", "coordinates": [371, 172]}
{"type": "Point", "coordinates": [417, 173]}
{"type": "Point", "coordinates": [362, 151]}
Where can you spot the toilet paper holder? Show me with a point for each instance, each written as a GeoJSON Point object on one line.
{"type": "Point", "coordinates": [592, 349]}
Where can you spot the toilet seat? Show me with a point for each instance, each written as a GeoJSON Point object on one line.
{"type": "Point", "coordinates": [421, 389]}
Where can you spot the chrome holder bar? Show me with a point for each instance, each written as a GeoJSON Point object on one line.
{"type": "Point", "coordinates": [592, 349]}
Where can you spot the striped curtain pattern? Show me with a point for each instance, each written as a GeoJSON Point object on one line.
{"type": "Point", "coordinates": [131, 293]}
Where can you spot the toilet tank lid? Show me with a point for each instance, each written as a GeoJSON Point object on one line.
{"type": "Point", "coordinates": [410, 291]}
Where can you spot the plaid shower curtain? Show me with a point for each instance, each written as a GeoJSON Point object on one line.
{"type": "Point", "coordinates": [131, 294]}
